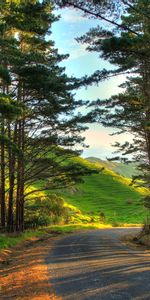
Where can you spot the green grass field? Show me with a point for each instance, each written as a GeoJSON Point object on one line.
{"type": "Point", "coordinates": [108, 193]}
{"type": "Point", "coordinates": [103, 193]}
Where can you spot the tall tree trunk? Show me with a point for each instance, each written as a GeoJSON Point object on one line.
{"type": "Point", "coordinates": [18, 192]}
{"type": "Point", "coordinates": [22, 177]}
{"type": "Point", "coordinates": [2, 187]}
{"type": "Point", "coordinates": [12, 160]}
{"type": "Point", "coordinates": [20, 166]}
{"type": "Point", "coordinates": [20, 180]}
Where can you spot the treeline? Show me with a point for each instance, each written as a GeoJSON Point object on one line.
{"type": "Point", "coordinates": [38, 120]}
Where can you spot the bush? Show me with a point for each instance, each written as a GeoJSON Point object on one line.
{"type": "Point", "coordinates": [37, 220]}
{"type": "Point", "coordinates": [115, 224]}
{"type": "Point", "coordinates": [102, 217]}
{"type": "Point", "coordinates": [45, 212]}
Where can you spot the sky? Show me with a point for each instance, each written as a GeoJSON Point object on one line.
{"type": "Point", "coordinates": [80, 62]}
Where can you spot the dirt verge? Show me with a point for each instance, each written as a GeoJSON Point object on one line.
{"type": "Point", "coordinates": [23, 272]}
{"type": "Point", "coordinates": [137, 242]}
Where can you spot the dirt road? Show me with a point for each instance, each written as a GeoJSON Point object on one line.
{"type": "Point", "coordinates": [95, 265]}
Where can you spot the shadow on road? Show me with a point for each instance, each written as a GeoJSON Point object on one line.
{"type": "Point", "coordinates": [96, 265]}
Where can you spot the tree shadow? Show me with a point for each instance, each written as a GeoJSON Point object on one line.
{"type": "Point", "coordinates": [99, 269]}
{"type": "Point", "coordinates": [24, 273]}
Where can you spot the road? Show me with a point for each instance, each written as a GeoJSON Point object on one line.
{"type": "Point", "coordinates": [95, 265]}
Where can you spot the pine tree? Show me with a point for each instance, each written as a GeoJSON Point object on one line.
{"type": "Point", "coordinates": [48, 121]}
{"type": "Point", "coordinates": [109, 11]}
{"type": "Point", "coordinates": [130, 110]}
{"type": "Point", "coordinates": [9, 109]}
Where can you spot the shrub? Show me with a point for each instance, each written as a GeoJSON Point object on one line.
{"type": "Point", "coordinates": [45, 212]}
{"type": "Point", "coordinates": [102, 217]}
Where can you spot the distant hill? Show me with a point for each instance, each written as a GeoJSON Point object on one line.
{"type": "Point", "coordinates": [126, 170]}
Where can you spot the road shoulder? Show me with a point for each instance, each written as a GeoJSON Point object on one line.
{"type": "Point", "coordinates": [24, 274]}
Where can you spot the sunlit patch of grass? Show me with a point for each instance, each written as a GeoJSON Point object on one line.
{"type": "Point", "coordinates": [107, 192]}
{"type": "Point", "coordinates": [38, 194]}
{"type": "Point", "coordinates": [126, 181]}
{"type": "Point", "coordinates": [76, 227]}
{"type": "Point", "coordinates": [91, 226]}
{"type": "Point", "coordinates": [110, 194]}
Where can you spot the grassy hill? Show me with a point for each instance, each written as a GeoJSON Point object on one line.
{"type": "Point", "coordinates": [126, 170]}
{"type": "Point", "coordinates": [105, 193]}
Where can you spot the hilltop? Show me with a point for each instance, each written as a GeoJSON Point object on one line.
{"type": "Point", "coordinates": [126, 170]}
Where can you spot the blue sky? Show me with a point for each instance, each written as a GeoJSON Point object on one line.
{"type": "Point", "coordinates": [71, 25]}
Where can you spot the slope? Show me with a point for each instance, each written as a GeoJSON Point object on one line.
{"type": "Point", "coordinates": [106, 196]}
{"type": "Point", "coordinates": [126, 170]}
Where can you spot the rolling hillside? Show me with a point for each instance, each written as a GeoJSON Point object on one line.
{"type": "Point", "coordinates": [107, 194]}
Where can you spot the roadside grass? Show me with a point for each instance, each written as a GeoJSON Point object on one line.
{"type": "Point", "coordinates": [10, 240]}
{"type": "Point", "coordinates": [91, 226]}
{"type": "Point", "coordinates": [75, 227]}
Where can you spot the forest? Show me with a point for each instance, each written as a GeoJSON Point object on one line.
{"type": "Point", "coordinates": [74, 226]}
{"type": "Point", "coordinates": [41, 124]}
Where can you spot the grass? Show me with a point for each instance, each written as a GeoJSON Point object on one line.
{"type": "Point", "coordinates": [109, 194]}
{"type": "Point", "coordinates": [10, 240]}
{"type": "Point", "coordinates": [75, 227]}
{"type": "Point", "coordinates": [126, 170]}
{"type": "Point", "coordinates": [105, 193]}
{"type": "Point", "coordinates": [70, 228]}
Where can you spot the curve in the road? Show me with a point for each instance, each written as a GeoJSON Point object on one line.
{"type": "Point", "coordinates": [95, 265]}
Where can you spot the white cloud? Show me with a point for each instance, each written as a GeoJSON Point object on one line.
{"type": "Point", "coordinates": [76, 52]}
{"type": "Point", "coordinates": [74, 49]}
{"type": "Point", "coordinates": [72, 16]}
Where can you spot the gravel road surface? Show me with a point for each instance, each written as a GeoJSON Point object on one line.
{"type": "Point", "coordinates": [95, 265]}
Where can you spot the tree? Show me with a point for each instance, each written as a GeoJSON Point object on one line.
{"type": "Point", "coordinates": [9, 109]}
{"type": "Point", "coordinates": [127, 48]}
{"type": "Point", "coordinates": [48, 121]}
{"type": "Point", "coordinates": [108, 11]}
{"type": "Point", "coordinates": [129, 111]}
